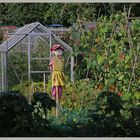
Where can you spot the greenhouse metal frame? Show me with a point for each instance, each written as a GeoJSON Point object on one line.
{"type": "Point", "coordinates": [29, 30]}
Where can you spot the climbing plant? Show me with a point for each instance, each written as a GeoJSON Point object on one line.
{"type": "Point", "coordinates": [108, 53]}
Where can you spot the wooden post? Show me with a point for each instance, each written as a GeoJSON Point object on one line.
{"type": "Point", "coordinates": [57, 103]}
{"type": "Point", "coordinates": [44, 82]}
{"type": "Point", "coordinates": [4, 71]}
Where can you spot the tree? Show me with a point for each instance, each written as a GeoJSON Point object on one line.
{"type": "Point", "coordinates": [63, 13]}
{"type": "Point", "coordinates": [21, 13]}
{"type": "Point", "coordinates": [68, 14]}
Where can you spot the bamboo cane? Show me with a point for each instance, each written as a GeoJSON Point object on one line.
{"type": "Point", "coordinates": [57, 103]}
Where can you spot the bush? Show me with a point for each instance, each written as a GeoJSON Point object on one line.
{"type": "Point", "coordinates": [109, 53]}
{"type": "Point", "coordinates": [112, 118]}
{"type": "Point", "coordinates": [42, 103]}
{"type": "Point", "coordinates": [27, 88]}
{"type": "Point", "coordinates": [15, 115]}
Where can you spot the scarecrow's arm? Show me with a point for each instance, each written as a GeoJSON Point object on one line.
{"type": "Point", "coordinates": [51, 64]}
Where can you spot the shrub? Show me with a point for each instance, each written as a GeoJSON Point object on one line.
{"type": "Point", "coordinates": [111, 117]}
{"type": "Point", "coordinates": [42, 103]}
{"type": "Point", "coordinates": [15, 115]}
{"type": "Point", "coordinates": [19, 118]}
{"type": "Point", "coordinates": [109, 53]}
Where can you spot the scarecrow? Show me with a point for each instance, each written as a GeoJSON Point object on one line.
{"type": "Point", "coordinates": [57, 67]}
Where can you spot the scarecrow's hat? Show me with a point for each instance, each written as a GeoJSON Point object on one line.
{"type": "Point", "coordinates": [56, 46]}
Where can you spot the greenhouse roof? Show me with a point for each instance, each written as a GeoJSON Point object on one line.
{"type": "Point", "coordinates": [56, 25]}
{"type": "Point", "coordinates": [35, 28]}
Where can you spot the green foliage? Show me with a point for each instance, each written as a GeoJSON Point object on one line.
{"type": "Point", "coordinates": [108, 117]}
{"type": "Point", "coordinates": [106, 111]}
{"type": "Point", "coordinates": [109, 103]}
{"type": "Point", "coordinates": [106, 60]}
{"type": "Point", "coordinates": [75, 97]}
{"type": "Point", "coordinates": [19, 118]}
{"type": "Point", "coordinates": [15, 115]}
{"type": "Point", "coordinates": [42, 101]}
{"type": "Point", "coordinates": [86, 112]}
{"type": "Point", "coordinates": [48, 13]}
{"type": "Point", "coordinates": [28, 88]}
{"type": "Point", "coordinates": [17, 67]}
{"type": "Point", "coordinates": [111, 116]}
{"type": "Point", "coordinates": [42, 104]}
{"type": "Point", "coordinates": [25, 89]}
{"type": "Point", "coordinates": [27, 13]}
{"type": "Point", "coordinates": [109, 53]}
{"type": "Point", "coordinates": [18, 62]}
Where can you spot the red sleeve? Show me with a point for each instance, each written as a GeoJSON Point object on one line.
{"type": "Point", "coordinates": [51, 62]}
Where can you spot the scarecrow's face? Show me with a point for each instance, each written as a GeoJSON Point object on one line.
{"type": "Point", "coordinates": [58, 52]}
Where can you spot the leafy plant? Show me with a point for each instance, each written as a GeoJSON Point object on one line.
{"type": "Point", "coordinates": [109, 103]}
{"type": "Point", "coordinates": [42, 103]}
{"type": "Point", "coordinates": [108, 53]}
{"type": "Point", "coordinates": [15, 115]}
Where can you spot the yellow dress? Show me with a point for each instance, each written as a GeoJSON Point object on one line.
{"type": "Point", "coordinates": [58, 72]}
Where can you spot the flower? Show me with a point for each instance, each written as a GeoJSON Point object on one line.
{"type": "Point", "coordinates": [120, 93]}
{"type": "Point", "coordinates": [122, 56]}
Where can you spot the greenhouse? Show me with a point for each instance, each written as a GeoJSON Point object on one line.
{"type": "Point", "coordinates": [25, 55]}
